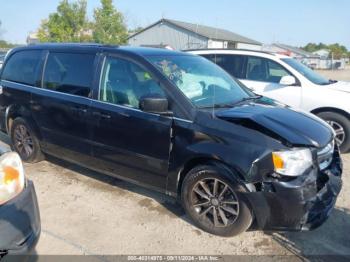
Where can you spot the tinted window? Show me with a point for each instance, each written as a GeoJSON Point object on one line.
{"type": "Point", "coordinates": [125, 83]}
{"type": "Point", "coordinates": [23, 67]}
{"type": "Point", "coordinates": [233, 64]}
{"type": "Point", "coordinates": [265, 70]}
{"type": "Point", "coordinates": [69, 73]}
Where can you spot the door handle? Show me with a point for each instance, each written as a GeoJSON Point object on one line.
{"type": "Point", "coordinates": [101, 115]}
{"type": "Point", "coordinates": [82, 110]}
{"type": "Point", "coordinates": [79, 110]}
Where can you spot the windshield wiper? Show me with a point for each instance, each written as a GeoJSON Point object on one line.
{"type": "Point", "coordinates": [247, 99]}
{"type": "Point", "coordinates": [232, 104]}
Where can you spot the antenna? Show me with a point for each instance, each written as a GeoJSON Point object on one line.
{"type": "Point", "coordinates": [214, 91]}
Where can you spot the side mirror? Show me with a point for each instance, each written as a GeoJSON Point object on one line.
{"type": "Point", "coordinates": [288, 80]}
{"type": "Point", "coordinates": [154, 104]}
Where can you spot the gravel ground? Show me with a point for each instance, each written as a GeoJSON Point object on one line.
{"type": "Point", "coordinates": [84, 212]}
{"type": "Point", "coordinates": [337, 74]}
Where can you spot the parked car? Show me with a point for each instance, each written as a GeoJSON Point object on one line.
{"type": "Point", "coordinates": [285, 79]}
{"type": "Point", "coordinates": [19, 213]}
{"type": "Point", "coordinates": [176, 123]}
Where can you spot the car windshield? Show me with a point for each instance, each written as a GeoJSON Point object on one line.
{"type": "Point", "coordinates": [201, 81]}
{"type": "Point", "coordinates": [307, 72]}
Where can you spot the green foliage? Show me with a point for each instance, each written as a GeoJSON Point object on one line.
{"type": "Point", "coordinates": [3, 43]}
{"type": "Point", "coordinates": [337, 50]}
{"type": "Point", "coordinates": [109, 27]}
{"type": "Point", "coordinates": [6, 45]}
{"type": "Point", "coordinates": [68, 24]}
{"type": "Point", "coordinates": [135, 30]}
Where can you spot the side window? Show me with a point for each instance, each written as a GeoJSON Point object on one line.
{"type": "Point", "coordinates": [23, 67]}
{"type": "Point", "coordinates": [233, 64]}
{"type": "Point", "coordinates": [125, 83]}
{"type": "Point", "coordinates": [69, 73]}
{"type": "Point", "coordinates": [265, 70]}
{"type": "Point", "coordinates": [256, 69]}
{"type": "Point", "coordinates": [276, 72]}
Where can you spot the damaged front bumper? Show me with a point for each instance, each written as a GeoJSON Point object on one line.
{"type": "Point", "coordinates": [295, 204]}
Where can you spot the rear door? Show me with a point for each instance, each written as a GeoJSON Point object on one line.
{"type": "Point", "coordinates": [128, 142]}
{"type": "Point", "coordinates": [61, 106]}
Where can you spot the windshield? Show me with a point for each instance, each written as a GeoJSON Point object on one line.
{"type": "Point", "coordinates": [307, 72]}
{"type": "Point", "coordinates": [200, 80]}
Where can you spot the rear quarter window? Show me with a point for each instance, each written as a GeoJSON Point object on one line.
{"type": "Point", "coordinates": [70, 73]}
{"type": "Point", "coordinates": [23, 67]}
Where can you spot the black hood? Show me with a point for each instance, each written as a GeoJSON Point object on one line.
{"type": "Point", "coordinates": [294, 127]}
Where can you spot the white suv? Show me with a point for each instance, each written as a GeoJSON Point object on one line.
{"type": "Point", "coordinates": [287, 80]}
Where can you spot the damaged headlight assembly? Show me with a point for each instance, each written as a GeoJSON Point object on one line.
{"type": "Point", "coordinates": [292, 163]}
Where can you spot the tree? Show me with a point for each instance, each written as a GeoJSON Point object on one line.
{"type": "Point", "coordinates": [3, 43]}
{"type": "Point", "coordinates": [135, 30]}
{"type": "Point", "coordinates": [109, 26]}
{"type": "Point", "coordinates": [68, 24]}
{"type": "Point", "coordinates": [338, 51]}
{"type": "Point", "coordinates": [312, 47]}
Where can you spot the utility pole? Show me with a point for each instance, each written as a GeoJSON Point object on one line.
{"type": "Point", "coordinates": [332, 60]}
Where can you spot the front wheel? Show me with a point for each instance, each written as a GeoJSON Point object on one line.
{"type": "Point", "coordinates": [341, 126]}
{"type": "Point", "coordinates": [214, 202]}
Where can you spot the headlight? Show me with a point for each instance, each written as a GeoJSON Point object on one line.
{"type": "Point", "coordinates": [11, 176]}
{"type": "Point", "coordinates": [292, 163]}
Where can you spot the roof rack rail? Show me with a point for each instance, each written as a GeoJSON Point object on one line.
{"type": "Point", "coordinates": [228, 49]}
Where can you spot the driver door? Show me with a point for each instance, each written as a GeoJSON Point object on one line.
{"type": "Point", "coordinates": [128, 142]}
{"type": "Point", "coordinates": [263, 76]}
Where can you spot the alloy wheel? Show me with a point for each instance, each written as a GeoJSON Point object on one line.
{"type": "Point", "coordinates": [23, 142]}
{"type": "Point", "coordinates": [339, 132]}
{"type": "Point", "coordinates": [214, 200]}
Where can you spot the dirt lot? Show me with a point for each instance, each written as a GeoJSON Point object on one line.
{"type": "Point", "coordinates": [337, 74]}
{"type": "Point", "coordinates": [84, 212]}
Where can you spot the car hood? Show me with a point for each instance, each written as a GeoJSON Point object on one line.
{"type": "Point", "coordinates": [281, 122]}
{"type": "Point", "coordinates": [340, 86]}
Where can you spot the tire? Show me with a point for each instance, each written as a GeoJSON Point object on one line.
{"type": "Point", "coordinates": [341, 125]}
{"type": "Point", "coordinates": [204, 219]}
{"type": "Point", "coordinates": [25, 141]}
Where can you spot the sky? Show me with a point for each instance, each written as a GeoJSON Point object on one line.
{"type": "Point", "coordinates": [294, 22]}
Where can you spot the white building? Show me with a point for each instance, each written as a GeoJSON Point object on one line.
{"type": "Point", "coordinates": [32, 39]}
{"type": "Point", "coordinates": [317, 60]}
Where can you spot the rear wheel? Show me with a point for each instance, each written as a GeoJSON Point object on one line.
{"type": "Point", "coordinates": [25, 141]}
{"type": "Point", "coordinates": [214, 202]}
{"type": "Point", "coordinates": [341, 126]}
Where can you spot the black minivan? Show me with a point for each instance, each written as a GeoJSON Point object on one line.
{"type": "Point", "coordinates": [177, 123]}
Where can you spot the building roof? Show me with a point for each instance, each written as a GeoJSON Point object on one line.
{"type": "Point", "coordinates": [296, 50]}
{"type": "Point", "coordinates": [205, 31]}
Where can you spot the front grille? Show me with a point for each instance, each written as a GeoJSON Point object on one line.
{"type": "Point", "coordinates": [325, 156]}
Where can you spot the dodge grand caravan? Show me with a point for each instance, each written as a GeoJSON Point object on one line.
{"type": "Point", "coordinates": [176, 123]}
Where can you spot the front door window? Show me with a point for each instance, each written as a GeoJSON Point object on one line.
{"type": "Point", "coordinates": [125, 83]}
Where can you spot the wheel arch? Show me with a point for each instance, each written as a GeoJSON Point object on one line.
{"type": "Point", "coordinates": [331, 109]}
{"type": "Point", "coordinates": [206, 160]}
{"type": "Point", "coordinates": [14, 111]}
